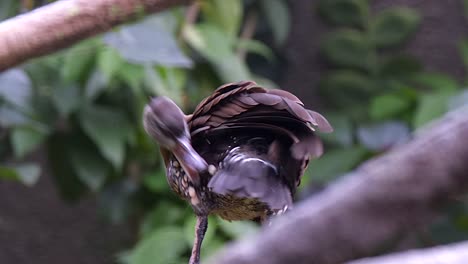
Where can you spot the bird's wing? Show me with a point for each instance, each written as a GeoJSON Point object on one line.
{"type": "Point", "coordinates": [247, 105]}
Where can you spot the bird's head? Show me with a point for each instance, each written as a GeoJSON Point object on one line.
{"type": "Point", "coordinates": [165, 122]}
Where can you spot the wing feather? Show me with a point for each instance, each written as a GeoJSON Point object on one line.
{"type": "Point", "coordinates": [245, 105]}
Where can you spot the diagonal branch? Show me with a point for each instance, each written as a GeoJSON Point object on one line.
{"type": "Point", "coordinates": [378, 202]}
{"type": "Point", "coordinates": [448, 254]}
{"type": "Point", "coordinates": [64, 23]}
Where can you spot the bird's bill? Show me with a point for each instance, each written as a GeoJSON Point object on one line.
{"type": "Point", "coordinates": [192, 163]}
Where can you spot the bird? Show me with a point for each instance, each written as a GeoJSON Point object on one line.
{"type": "Point", "coordinates": [240, 154]}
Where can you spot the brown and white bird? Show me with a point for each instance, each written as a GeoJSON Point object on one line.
{"type": "Point", "coordinates": [240, 155]}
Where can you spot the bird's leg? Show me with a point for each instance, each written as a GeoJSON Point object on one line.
{"type": "Point", "coordinates": [200, 230]}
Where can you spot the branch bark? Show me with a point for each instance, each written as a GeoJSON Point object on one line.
{"type": "Point", "coordinates": [448, 254]}
{"type": "Point", "coordinates": [64, 23]}
{"type": "Point", "coordinates": [373, 205]}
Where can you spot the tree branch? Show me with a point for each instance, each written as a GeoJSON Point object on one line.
{"type": "Point", "coordinates": [64, 23]}
{"type": "Point", "coordinates": [365, 210]}
{"type": "Point", "coordinates": [448, 254]}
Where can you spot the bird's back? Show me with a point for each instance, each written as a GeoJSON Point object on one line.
{"type": "Point", "coordinates": [259, 140]}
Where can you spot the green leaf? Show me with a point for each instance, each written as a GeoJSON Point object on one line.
{"type": "Point", "coordinates": [151, 41]}
{"type": "Point", "coordinates": [156, 181]}
{"type": "Point", "coordinates": [15, 90]}
{"type": "Point", "coordinates": [89, 166]}
{"type": "Point", "coordinates": [176, 78]}
{"type": "Point", "coordinates": [133, 75]}
{"type": "Point", "coordinates": [95, 85]}
{"type": "Point", "coordinates": [9, 117]}
{"type": "Point", "coordinates": [79, 61]}
{"type": "Point", "coordinates": [170, 82]}
{"type": "Point", "coordinates": [124, 257]}
{"type": "Point", "coordinates": [15, 97]}
{"type": "Point", "coordinates": [165, 213]}
{"type": "Point", "coordinates": [348, 48]}
{"type": "Point", "coordinates": [227, 15]}
{"type": "Point", "coordinates": [58, 148]}
{"type": "Point", "coordinates": [156, 84]}
{"type": "Point", "coordinates": [26, 173]}
{"type": "Point", "coordinates": [387, 106]}
{"type": "Point", "coordinates": [459, 100]}
{"type": "Point", "coordinates": [162, 246]}
{"type": "Point", "coordinates": [109, 129]}
{"type": "Point", "coordinates": [463, 47]}
{"type": "Point", "coordinates": [394, 25]}
{"type": "Point", "coordinates": [232, 69]}
{"type": "Point", "coordinates": [115, 200]}
{"type": "Point", "coordinates": [66, 99]}
{"type": "Point", "coordinates": [25, 140]}
{"type": "Point", "coordinates": [277, 16]}
{"type": "Point", "coordinates": [211, 247]}
{"type": "Point", "coordinates": [345, 88]}
{"type": "Point", "coordinates": [343, 130]}
{"type": "Point", "coordinates": [256, 47]}
{"type": "Point", "coordinates": [205, 39]}
{"type": "Point", "coordinates": [437, 82]}
{"type": "Point", "coordinates": [335, 163]}
{"type": "Point", "coordinates": [431, 106]}
{"type": "Point", "coordinates": [8, 8]}
{"type": "Point", "coordinates": [109, 62]}
{"type": "Point", "coordinates": [217, 48]}
{"type": "Point", "coordinates": [400, 66]}
{"type": "Point", "coordinates": [237, 229]}
{"type": "Point", "coordinates": [344, 12]}
{"type": "Point", "coordinates": [381, 136]}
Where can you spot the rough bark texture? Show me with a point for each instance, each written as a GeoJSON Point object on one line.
{"type": "Point", "coordinates": [449, 254]}
{"type": "Point", "coordinates": [381, 200]}
{"type": "Point", "coordinates": [63, 23]}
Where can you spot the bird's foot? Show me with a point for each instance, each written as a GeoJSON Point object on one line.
{"type": "Point", "coordinates": [268, 220]}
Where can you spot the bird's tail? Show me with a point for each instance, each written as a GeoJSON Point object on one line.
{"type": "Point", "coordinates": [244, 176]}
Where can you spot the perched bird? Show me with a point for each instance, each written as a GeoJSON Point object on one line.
{"type": "Point", "coordinates": [240, 155]}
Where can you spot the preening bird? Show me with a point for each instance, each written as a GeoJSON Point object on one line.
{"type": "Point", "coordinates": [240, 155]}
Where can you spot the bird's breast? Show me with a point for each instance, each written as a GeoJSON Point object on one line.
{"type": "Point", "coordinates": [180, 183]}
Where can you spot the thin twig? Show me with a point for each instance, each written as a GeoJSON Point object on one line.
{"type": "Point", "coordinates": [248, 32]}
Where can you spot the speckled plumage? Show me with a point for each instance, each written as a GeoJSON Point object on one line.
{"type": "Point", "coordinates": [228, 207]}
{"type": "Point", "coordinates": [228, 119]}
{"type": "Point", "coordinates": [240, 155]}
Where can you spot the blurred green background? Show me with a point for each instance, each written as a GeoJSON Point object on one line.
{"type": "Point", "coordinates": [80, 179]}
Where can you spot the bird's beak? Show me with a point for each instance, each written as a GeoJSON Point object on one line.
{"type": "Point", "coordinates": [192, 163]}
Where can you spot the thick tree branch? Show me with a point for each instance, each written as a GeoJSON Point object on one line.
{"type": "Point", "coordinates": [63, 23]}
{"type": "Point", "coordinates": [449, 254]}
{"type": "Point", "coordinates": [360, 214]}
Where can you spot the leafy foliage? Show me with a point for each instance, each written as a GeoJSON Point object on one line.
{"type": "Point", "coordinates": [82, 106]}
{"type": "Point", "coordinates": [372, 84]}
{"type": "Point", "coordinates": [378, 95]}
